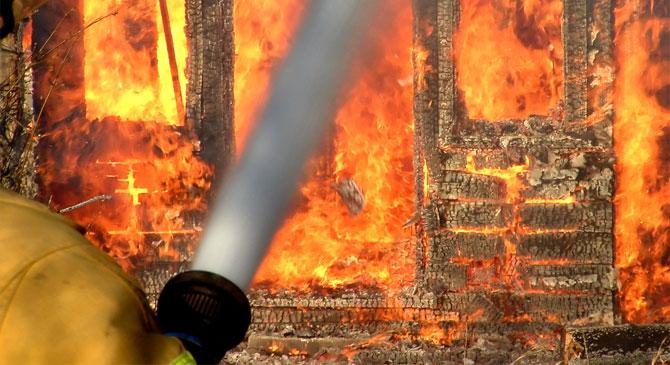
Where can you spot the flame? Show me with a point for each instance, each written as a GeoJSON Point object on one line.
{"type": "Point", "coordinates": [322, 244]}
{"type": "Point", "coordinates": [421, 67]}
{"type": "Point", "coordinates": [131, 144]}
{"type": "Point", "coordinates": [510, 175]}
{"type": "Point", "coordinates": [642, 144]}
{"type": "Point", "coordinates": [565, 200]}
{"type": "Point", "coordinates": [263, 33]}
{"type": "Point", "coordinates": [426, 182]}
{"type": "Point", "coordinates": [514, 48]}
{"type": "Point", "coordinates": [127, 73]}
{"type": "Point", "coordinates": [515, 183]}
{"type": "Point", "coordinates": [157, 186]}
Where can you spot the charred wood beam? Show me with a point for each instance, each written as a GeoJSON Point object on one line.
{"type": "Point", "coordinates": [209, 104]}
{"type": "Point", "coordinates": [624, 344]}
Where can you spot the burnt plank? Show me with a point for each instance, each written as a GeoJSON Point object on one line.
{"type": "Point", "coordinates": [477, 246]}
{"type": "Point", "coordinates": [594, 247]}
{"type": "Point", "coordinates": [569, 277]}
{"type": "Point", "coordinates": [590, 217]}
{"type": "Point", "coordinates": [630, 344]}
{"type": "Point", "coordinates": [442, 276]}
{"type": "Point", "coordinates": [295, 345]}
{"type": "Point", "coordinates": [453, 159]}
{"type": "Point", "coordinates": [509, 306]}
{"type": "Point", "coordinates": [570, 308]}
{"type": "Point", "coordinates": [471, 186]}
{"type": "Point", "coordinates": [342, 322]}
{"type": "Point", "coordinates": [455, 215]}
{"type": "Point", "coordinates": [320, 302]}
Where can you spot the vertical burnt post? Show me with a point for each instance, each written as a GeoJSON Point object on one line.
{"type": "Point", "coordinates": [425, 113]}
{"type": "Point", "coordinates": [209, 97]}
{"type": "Point", "coordinates": [209, 105]}
{"type": "Point", "coordinates": [519, 216]}
{"type": "Point", "coordinates": [575, 37]}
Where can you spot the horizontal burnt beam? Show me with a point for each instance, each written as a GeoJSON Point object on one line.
{"type": "Point", "coordinates": [441, 277]}
{"type": "Point", "coordinates": [594, 247]}
{"type": "Point", "coordinates": [458, 185]}
{"type": "Point", "coordinates": [594, 216]}
{"type": "Point", "coordinates": [577, 247]}
{"type": "Point", "coordinates": [466, 215]}
{"type": "Point", "coordinates": [351, 298]}
{"type": "Point", "coordinates": [569, 277]}
{"type": "Point", "coordinates": [299, 346]}
{"type": "Point", "coordinates": [476, 246]}
{"type": "Point", "coordinates": [478, 306]}
{"type": "Point", "coordinates": [501, 306]}
{"type": "Point", "coordinates": [629, 344]}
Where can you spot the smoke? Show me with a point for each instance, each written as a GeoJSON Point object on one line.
{"type": "Point", "coordinates": [256, 197]}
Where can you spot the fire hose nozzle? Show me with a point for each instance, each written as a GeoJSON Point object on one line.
{"type": "Point", "coordinates": [206, 311]}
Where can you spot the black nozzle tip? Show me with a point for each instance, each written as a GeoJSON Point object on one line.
{"type": "Point", "coordinates": [206, 311]}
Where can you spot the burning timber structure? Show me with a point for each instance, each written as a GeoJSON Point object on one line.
{"type": "Point", "coordinates": [514, 234]}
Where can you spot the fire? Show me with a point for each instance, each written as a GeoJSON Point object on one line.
{"type": "Point", "coordinates": [510, 175]}
{"type": "Point", "coordinates": [642, 143]}
{"type": "Point", "coordinates": [263, 33]}
{"type": "Point", "coordinates": [127, 71]}
{"type": "Point", "coordinates": [426, 182]}
{"type": "Point", "coordinates": [421, 67]}
{"type": "Point", "coordinates": [157, 186]}
{"type": "Point", "coordinates": [322, 243]}
{"type": "Point", "coordinates": [514, 179]}
{"type": "Point", "coordinates": [514, 48]}
{"type": "Point", "coordinates": [130, 145]}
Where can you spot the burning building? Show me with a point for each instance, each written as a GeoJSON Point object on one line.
{"type": "Point", "coordinates": [493, 189]}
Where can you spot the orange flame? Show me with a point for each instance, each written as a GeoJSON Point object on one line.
{"type": "Point", "coordinates": [130, 145]}
{"type": "Point", "coordinates": [127, 73]}
{"type": "Point", "coordinates": [263, 33]}
{"type": "Point", "coordinates": [514, 48]}
{"type": "Point", "coordinates": [514, 179]}
{"type": "Point", "coordinates": [642, 143]}
{"type": "Point", "coordinates": [510, 175]}
{"type": "Point", "coordinates": [426, 182]}
{"type": "Point", "coordinates": [322, 243]}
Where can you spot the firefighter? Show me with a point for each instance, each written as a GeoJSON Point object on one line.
{"type": "Point", "coordinates": [62, 301]}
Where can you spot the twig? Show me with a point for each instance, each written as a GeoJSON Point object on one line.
{"type": "Point", "coordinates": [523, 356]}
{"type": "Point", "coordinates": [60, 21]}
{"type": "Point", "coordinates": [99, 198]}
{"type": "Point", "coordinates": [586, 348]}
{"type": "Point", "coordinates": [76, 34]}
{"type": "Point", "coordinates": [659, 352]}
{"type": "Point", "coordinates": [62, 64]}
